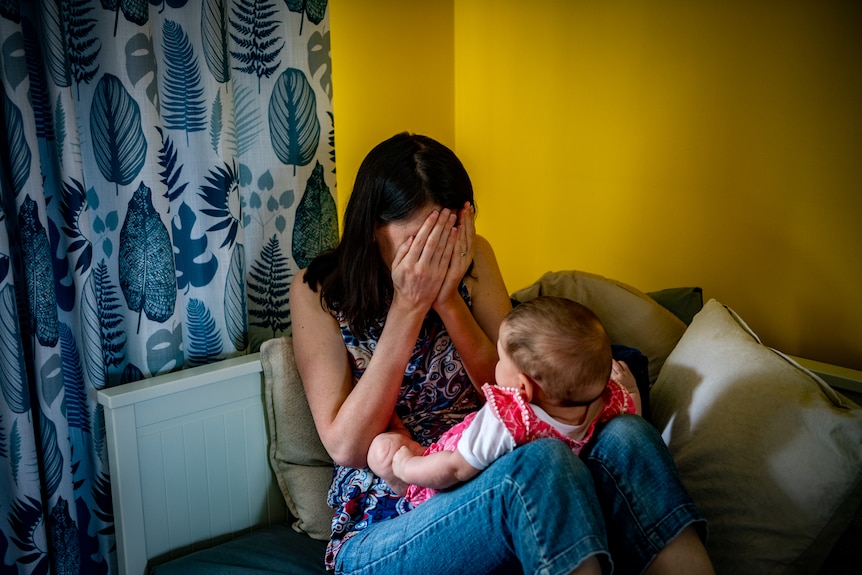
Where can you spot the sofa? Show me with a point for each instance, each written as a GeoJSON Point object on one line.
{"type": "Point", "coordinates": [768, 449]}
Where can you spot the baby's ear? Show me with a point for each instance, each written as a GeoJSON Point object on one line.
{"type": "Point", "coordinates": [526, 385]}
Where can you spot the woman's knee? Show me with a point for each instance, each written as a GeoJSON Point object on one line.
{"type": "Point", "coordinates": [544, 457]}
{"type": "Point", "coordinates": [546, 466]}
{"type": "Point", "coordinates": [534, 478]}
{"type": "Point", "coordinates": [628, 435]}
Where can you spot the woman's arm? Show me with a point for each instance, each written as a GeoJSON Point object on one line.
{"type": "Point", "coordinates": [349, 416]}
{"type": "Point", "coordinates": [474, 334]}
{"type": "Point", "coordinates": [324, 366]}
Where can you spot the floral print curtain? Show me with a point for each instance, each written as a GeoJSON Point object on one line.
{"type": "Point", "coordinates": [166, 167]}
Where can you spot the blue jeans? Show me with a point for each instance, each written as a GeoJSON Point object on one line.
{"type": "Point", "coordinates": [643, 500]}
{"type": "Point", "coordinates": [537, 511]}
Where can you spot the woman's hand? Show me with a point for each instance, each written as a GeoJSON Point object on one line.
{"type": "Point", "coordinates": [462, 257]}
{"type": "Point", "coordinates": [421, 264]}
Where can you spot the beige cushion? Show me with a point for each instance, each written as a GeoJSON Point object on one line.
{"type": "Point", "coordinates": [771, 455]}
{"type": "Point", "coordinates": [302, 466]}
{"type": "Point", "coordinates": [630, 316]}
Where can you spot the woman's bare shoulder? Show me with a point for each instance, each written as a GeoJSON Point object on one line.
{"type": "Point", "coordinates": [298, 281]}
{"type": "Point", "coordinates": [301, 289]}
{"type": "Point", "coordinates": [305, 302]}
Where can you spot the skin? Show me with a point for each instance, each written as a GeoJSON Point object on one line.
{"type": "Point", "coordinates": [400, 463]}
{"type": "Point", "coordinates": [424, 256]}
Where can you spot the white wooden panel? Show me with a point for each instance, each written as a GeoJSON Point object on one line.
{"type": "Point", "coordinates": [236, 472]}
{"type": "Point", "coordinates": [216, 463]}
{"type": "Point", "coordinates": [156, 519]}
{"type": "Point", "coordinates": [189, 461]}
{"type": "Point", "coordinates": [174, 496]}
{"type": "Point", "coordinates": [200, 494]}
{"type": "Point", "coordinates": [126, 488]}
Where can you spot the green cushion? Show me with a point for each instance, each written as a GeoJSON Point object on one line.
{"type": "Point", "coordinates": [683, 302]}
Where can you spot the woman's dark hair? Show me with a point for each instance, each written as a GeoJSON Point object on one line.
{"type": "Point", "coordinates": [397, 178]}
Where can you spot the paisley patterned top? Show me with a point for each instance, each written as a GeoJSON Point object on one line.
{"type": "Point", "coordinates": [435, 395]}
{"type": "Point", "coordinates": [523, 424]}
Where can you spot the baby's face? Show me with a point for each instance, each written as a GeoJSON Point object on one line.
{"type": "Point", "coordinates": [505, 373]}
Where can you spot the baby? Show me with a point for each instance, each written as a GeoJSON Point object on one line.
{"type": "Point", "coordinates": [555, 378]}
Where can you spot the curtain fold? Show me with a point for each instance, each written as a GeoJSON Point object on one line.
{"type": "Point", "coordinates": [166, 167]}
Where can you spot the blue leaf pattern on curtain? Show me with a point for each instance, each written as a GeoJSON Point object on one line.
{"type": "Point", "coordinates": [314, 230]}
{"type": "Point", "coordinates": [214, 32]}
{"type": "Point", "coordinates": [164, 174]}
{"type": "Point", "coordinates": [247, 123]}
{"type": "Point", "coordinates": [76, 25]}
{"type": "Point", "coordinates": [19, 151]}
{"type": "Point", "coordinates": [182, 102]}
{"type": "Point", "coordinates": [253, 26]}
{"type": "Point", "coordinates": [38, 276]}
{"type": "Point", "coordinates": [269, 282]}
{"type": "Point", "coordinates": [293, 123]}
{"type": "Point", "coordinates": [235, 309]}
{"type": "Point", "coordinates": [56, 62]}
{"type": "Point", "coordinates": [12, 382]}
{"type": "Point", "coordinates": [204, 343]}
{"type": "Point", "coordinates": [314, 9]}
{"type": "Point", "coordinates": [147, 273]}
{"type": "Point", "coordinates": [118, 138]}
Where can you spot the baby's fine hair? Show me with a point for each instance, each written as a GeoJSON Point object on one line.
{"type": "Point", "coordinates": [562, 345]}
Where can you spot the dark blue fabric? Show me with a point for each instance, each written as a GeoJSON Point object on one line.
{"type": "Point", "coordinates": [276, 549]}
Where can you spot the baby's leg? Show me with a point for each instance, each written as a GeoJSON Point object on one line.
{"type": "Point", "coordinates": [381, 452]}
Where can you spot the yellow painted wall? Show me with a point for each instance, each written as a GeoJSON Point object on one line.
{"type": "Point", "coordinates": [392, 72]}
{"type": "Point", "coordinates": [660, 143]}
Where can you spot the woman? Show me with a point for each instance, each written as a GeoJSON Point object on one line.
{"type": "Point", "coordinates": [395, 329]}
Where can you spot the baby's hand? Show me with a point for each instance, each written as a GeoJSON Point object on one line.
{"type": "Point", "coordinates": [621, 374]}
{"type": "Point", "coordinates": [400, 459]}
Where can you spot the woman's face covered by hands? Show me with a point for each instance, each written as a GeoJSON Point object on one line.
{"type": "Point", "coordinates": [391, 236]}
{"type": "Point", "coordinates": [428, 254]}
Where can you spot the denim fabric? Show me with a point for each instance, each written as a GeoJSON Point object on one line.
{"type": "Point", "coordinates": [538, 507]}
{"type": "Point", "coordinates": [535, 507]}
{"type": "Point", "coordinates": [643, 500]}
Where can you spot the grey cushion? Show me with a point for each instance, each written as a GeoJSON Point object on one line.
{"type": "Point", "coordinates": [770, 453]}
{"type": "Point", "coordinates": [301, 464]}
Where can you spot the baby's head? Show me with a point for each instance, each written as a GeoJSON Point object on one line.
{"type": "Point", "coordinates": [560, 345]}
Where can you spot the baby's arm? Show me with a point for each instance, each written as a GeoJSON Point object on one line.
{"type": "Point", "coordinates": [437, 470]}
{"type": "Point", "coordinates": [382, 451]}
{"type": "Point", "coordinates": [621, 374]}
